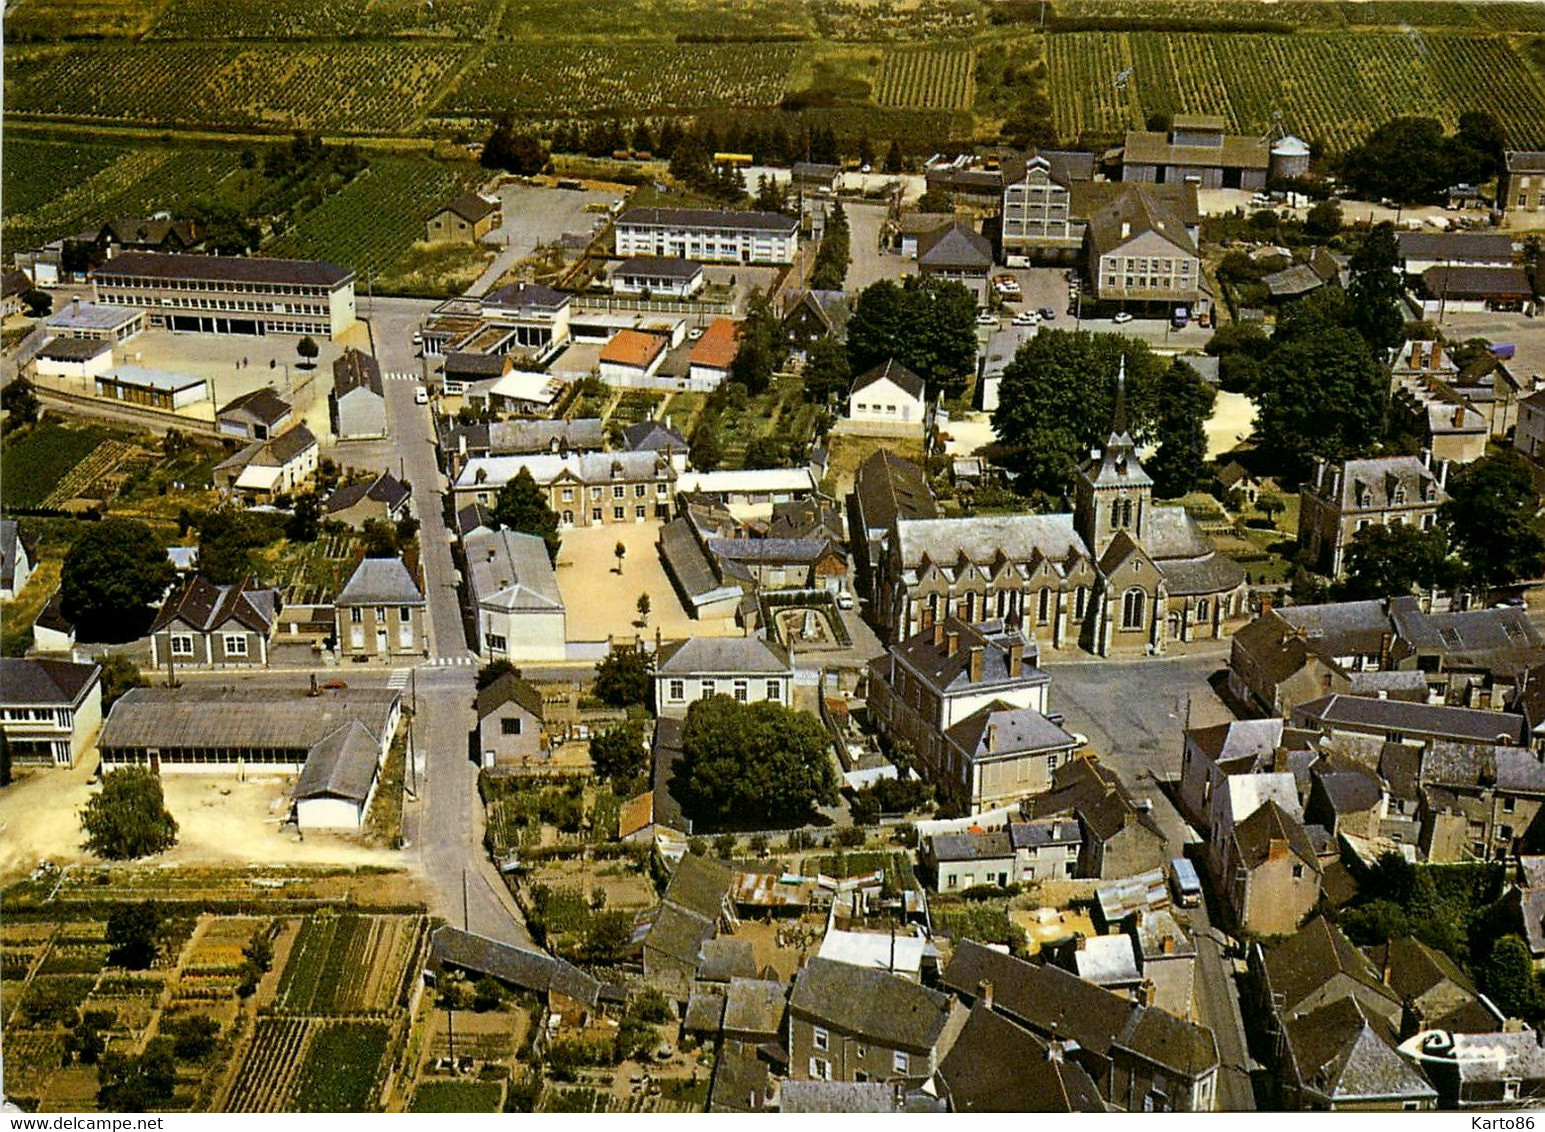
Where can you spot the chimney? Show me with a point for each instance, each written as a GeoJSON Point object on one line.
{"type": "Point", "coordinates": [1266, 604]}
{"type": "Point", "coordinates": [976, 663]}
{"type": "Point", "coordinates": [461, 443]}
{"type": "Point", "coordinates": [952, 642]}
{"type": "Point", "coordinates": [1386, 642]}
{"type": "Point", "coordinates": [984, 992]}
{"type": "Point", "coordinates": [1435, 355]}
{"type": "Point", "coordinates": [992, 737]}
{"type": "Point", "coordinates": [1427, 458]}
{"type": "Point", "coordinates": [1016, 659]}
{"type": "Point", "coordinates": [1277, 849]}
{"type": "Point", "coordinates": [938, 633]}
{"type": "Point", "coordinates": [1145, 993]}
{"type": "Point", "coordinates": [1054, 1051]}
{"type": "Point", "coordinates": [1443, 475]}
{"type": "Point", "coordinates": [1169, 945]}
{"type": "Point", "coordinates": [1319, 474]}
{"type": "Point", "coordinates": [1126, 229]}
{"type": "Point", "coordinates": [1279, 760]}
{"type": "Point", "coordinates": [1459, 415]}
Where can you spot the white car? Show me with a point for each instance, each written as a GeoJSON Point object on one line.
{"type": "Point", "coordinates": [1027, 318]}
{"type": "Point", "coordinates": [844, 600]}
{"type": "Point", "coordinates": [421, 396]}
{"type": "Point", "coordinates": [418, 338]}
{"type": "Point", "coordinates": [694, 334]}
{"type": "Point", "coordinates": [1122, 317]}
{"type": "Point", "coordinates": [987, 318]}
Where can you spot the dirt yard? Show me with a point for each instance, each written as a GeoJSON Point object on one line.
{"type": "Point", "coordinates": [601, 604]}
{"type": "Point", "coordinates": [1232, 421]}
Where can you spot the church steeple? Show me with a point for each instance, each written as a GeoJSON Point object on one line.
{"type": "Point", "coordinates": [1119, 423]}
{"type": "Point", "coordinates": [1113, 492]}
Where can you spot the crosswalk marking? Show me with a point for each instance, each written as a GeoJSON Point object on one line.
{"type": "Point", "coordinates": [399, 679]}
{"type": "Point", "coordinates": [402, 377]}
{"type": "Point", "coordinates": [452, 661]}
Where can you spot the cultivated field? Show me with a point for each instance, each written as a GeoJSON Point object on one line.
{"type": "Point", "coordinates": [349, 964]}
{"type": "Point", "coordinates": [926, 80]}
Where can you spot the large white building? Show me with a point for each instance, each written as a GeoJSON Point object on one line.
{"type": "Point", "coordinates": [520, 614]}
{"type": "Point", "coordinates": [708, 236]}
{"type": "Point", "coordinates": [50, 710]}
{"type": "Point", "coordinates": [748, 668]}
{"type": "Point", "coordinates": [230, 294]}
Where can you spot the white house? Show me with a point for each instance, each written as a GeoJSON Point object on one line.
{"type": "Point", "coordinates": [658, 277]}
{"type": "Point", "coordinates": [890, 396]}
{"type": "Point", "coordinates": [707, 235]}
{"type": "Point", "coordinates": [268, 467]}
{"type": "Point", "coordinates": [631, 358]}
{"type": "Point", "coordinates": [15, 562]}
{"type": "Point", "coordinates": [50, 710]}
{"type": "Point", "coordinates": [748, 668]}
{"type": "Point", "coordinates": [83, 358]}
{"type": "Point", "coordinates": [520, 612]}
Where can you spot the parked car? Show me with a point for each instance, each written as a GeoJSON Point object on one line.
{"type": "Point", "coordinates": [1048, 313]}
{"type": "Point", "coordinates": [844, 599]}
{"type": "Point", "coordinates": [421, 396]}
{"type": "Point", "coordinates": [987, 318]}
{"type": "Point", "coordinates": [1122, 316]}
{"type": "Point", "coordinates": [1027, 318]}
{"type": "Point", "coordinates": [694, 334]}
{"type": "Point", "coordinates": [418, 338]}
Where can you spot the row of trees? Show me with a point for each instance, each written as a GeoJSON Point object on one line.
{"type": "Point", "coordinates": [831, 261]}
{"type": "Point", "coordinates": [1412, 161]}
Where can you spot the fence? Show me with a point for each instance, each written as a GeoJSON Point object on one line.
{"type": "Point", "coordinates": [653, 306]}
{"type": "Point", "coordinates": [132, 414]}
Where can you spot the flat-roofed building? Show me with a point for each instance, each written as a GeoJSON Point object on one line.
{"type": "Point", "coordinates": [708, 235]}
{"type": "Point", "coordinates": [92, 320]}
{"type": "Point", "coordinates": [524, 319]}
{"type": "Point", "coordinates": [230, 294]}
{"type": "Point", "coordinates": [153, 388]}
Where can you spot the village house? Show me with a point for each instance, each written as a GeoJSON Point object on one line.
{"type": "Point", "coordinates": [956, 253]}
{"type": "Point", "coordinates": [159, 233]}
{"type": "Point", "coordinates": [15, 560]}
{"type": "Point", "coordinates": [50, 710]}
{"type": "Point", "coordinates": [632, 358]}
{"type": "Point", "coordinates": [203, 625]}
{"type": "Point", "coordinates": [814, 315]}
{"type": "Point", "coordinates": [707, 235]}
{"type": "Point", "coordinates": [1480, 801]}
{"type": "Point", "coordinates": [1196, 148]}
{"type": "Point", "coordinates": [1118, 836]}
{"type": "Point", "coordinates": [568, 993]}
{"type": "Point", "coordinates": [1046, 848]}
{"type": "Point", "coordinates": [886, 488]}
{"type": "Point", "coordinates": [850, 1023]}
{"type": "Point", "coordinates": [1475, 290]}
{"type": "Point", "coordinates": [267, 468]}
{"type": "Point", "coordinates": [258, 415]}
{"type": "Point", "coordinates": [1271, 877]}
{"type": "Point", "coordinates": [960, 861]}
{"type": "Point", "coordinates": [998, 1066]}
{"type": "Point", "coordinates": [1420, 252]}
{"type": "Point", "coordinates": [1338, 1059]}
{"type": "Point", "coordinates": [750, 669]}
{"type": "Point", "coordinates": [510, 729]}
{"type": "Point", "coordinates": [523, 438]}
{"type": "Point", "coordinates": [384, 498]}
{"type": "Point", "coordinates": [357, 403]}
{"type": "Point", "coordinates": [1521, 185]}
{"type": "Point", "coordinates": [1214, 754]}
{"type": "Point", "coordinates": [710, 361]}
{"type": "Point", "coordinates": [381, 612]}
{"type": "Point", "coordinates": [889, 398]}
{"type": "Point", "coordinates": [584, 489]}
{"type": "Point", "coordinates": [1003, 345]}
{"type": "Point", "coordinates": [1436, 993]}
{"type": "Point", "coordinates": [514, 592]}
{"type": "Point", "coordinates": [1004, 754]}
{"type": "Point", "coordinates": [1140, 250]}
{"type": "Point", "coordinates": [465, 219]}
{"type": "Point", "coordinates": [658, 436]}
{"type": "Point", "coordinates": [1488, 1071]}
{"type": "Point", "coordinates": [246, 295]}
{"type": "Point", "coordinates": [1341, 499]}
{"type": "Point", "coordinates": [657, 277]}
{"type": "Point", "coordinates": [695, 907]}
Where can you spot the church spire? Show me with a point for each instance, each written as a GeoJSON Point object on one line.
{"type": "Point", "coordinates": [1119, 425]}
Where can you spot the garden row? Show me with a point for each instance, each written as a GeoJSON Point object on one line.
{"type": "Point", "coordinates": [926, 80]}
{"type": "Point", "coordinates": [349, 964]}
{"type": "Point", "coordinates": [305, 1065]}
{"type": "Point", "coordinates": [1331, 89]}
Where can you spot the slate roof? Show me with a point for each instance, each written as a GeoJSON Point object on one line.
{"type": "Point", "coordinates": [205, 607]}
{"type": "Point", "coordinates": [755, 1006]}
{"type": "Point", "coordinates": [355, 369]}
{"type": "Point", "coordinates": [1434, 985]}
{"type": "Point", "coordinates": [522, 296]}
{"type": "Point", "coordinates": [1464, 766]}
{"type": "Point", "coordinates": [258, 719]}
{"type": "Point", "coordinates": [652, 436]}
{"type": "Point", "coordinates": [511, 569]}
{"type": "Point", "coordinates": [830, 308]}
{"type": "Point", "coordinates": [509, 688]}
{"type": "Point", "coordinates": [1343, 1056]}
{"type": "Point", "coordinates": [952, 673]}
{"type": "Point", "coordinates": [658, 267]}
{"type": "Point", "coordinates": [518, 437]}
{"type": "Point", "coordinates": [954, 247]}
{"type": "Point", "coordinates": [1491, 1057]}
{"type": "Point", "coordinates": [1063, 166]}
{"type": "Point", "coordinates": [1045, 832]}
{"type": "Point", "coordinates": [996, 1066]}
{"type": "Point", "coordinates": [343, 765]}
{"type": "Point", "coordinates": [1381, 478]}
{"type": "Point", "coordinates": [380, 581]}
{"type": "Point", "coordinates": [546, 468]}
{"type": "Point", "coordinates": [741, 1081]}
{"type": "Point", "coordinates": [263, 404]}
{"type": "Point", "coordinates": [1253, 837]}
{"type": "Point", "coordinates": [720, 960]}
{"type": "Point", "coordinates": [699, 885]}
{"type": "Point", "coordinates": [981, 538]}
{"type": "Point", "coordinates": [1472, 632]}
{"type": "Point", "coordinates": [225, 269]}
{"type": "Point", "coordinates": [881, 1007]}
{"type": "Point", "coordinates": [999, 730]}
{"type": "Point", "coordinates": [1306, 961]}
{"type": "Point", "coordinates": [971, 846]}
{"type": "Point", "coordinates": [274, 452]}
{"type": "Point", "coordinates": [1349, 790]}
{"type": "Point", "coordinates": [1460, 246]}
{"type": "Point", "coordinates": [1133, 213]}
{"type": "Point", "coordinates": [1359, 713]}
{"type": "Point", "coordinates": [525, 968]}
{"type": "Point", "coordinates": [677, 934]}
{"type": "Point", "coordinates": [707, 218]}
{"type": "Point", "coordinates": [722, 654]}
{"type": "Point", "coordinates": [890, 488]}
{"type": "Point", "coordinates": [839, 1097]}
{"type": "Point", "coordinates": [42, 683]}
{"type": "Point", "coordinates": [893, 371]}
{"type": "Point", "coordinates": [471, 207]}
{"type": "Point", "coordinates": [385, 489]}
{"type": "Point", "coordinates": [705, 1011]}
{"type": "Point", "coordinates": [10, 538]}
{"type": "Point", "coordinates": [690, 565]}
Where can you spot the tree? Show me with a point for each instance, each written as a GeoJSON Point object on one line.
{"type": "Point", "coordinates": [1475, 152]}
{"type": "Point", "coordinates": [619, 552]}
{"type": "Point", "coordinates": [833, 257]}
{"type": "Point", "coordinates": [1184, 404]}
{"type": "Point", "coordinates": [706, 449]}
{"type": "Point", "coordinates": [928, 325]}
{"type": "Point", "coordinates": [937, 199]}
{"type": "Point", "coordinates": [131, 1083]}
{"type": "Point", "coordinates": [119, 674]}
{"type": "Point", "coordinates": [127, 817]}
{"type": "Point", "coordinates": [111, 573]}
{"type": "Point", "coordinates": [1324, 220]}
{"type": "Point", "coordinates": [643, 606]}
{"type": "Point", "coordinates": [513, 151]}
{"type": "Point", "coordinates": [493, 670]}
{"type": "Point", "coordinates": [1375, 293]}
{"type": "Point", "coordinates": [623, 677]}
{"type": "Point", "coordinates": [134, 934]}
{"type": "Point", "coordinates": [455, 992]}
{"type": "Point", "coordinates": [1270, 504]}
{"type": "Point", "coordinates": [193, 1036]}
{"type": "Point", "coordinates": [521, 506]}
{"type": "Point", "coordinates": [1057, 399]}
{"type": "Point", "coordinates": [308, 349]}
{"type": "Point", "coordinates": [1391, 561]}
{"type": "Point", "coordinates": [894, 163]}
{"type": "Point", "coordinates": [1508, 979]}
{"type": "Point", "coordinates": [20, 400]}
{"type": "Point", "coordinates": [827, 374]}
{"type": "Point", "coordinates": [39, 304]}
{"type": "Point", "coordinates": [608, 936]}
{"type": "Point", "coordinates": [85, 1043]}
{"type": "Point", "coordinates": [226, 538]}
{"type": "Point", "coordinates": [1325, 395]}
{"type": "Point", "coordinates": [1491, 519]}
{"type": "Point", "coordinates": [1399, 160]}
{"type": "Point", "coordinates": [487, 994]}
{"type": "Point", "coordinates": [763, 347]}
{"type": "Point", "coordinates": [380, 537]}
{"type": "Point", "coordinates": [618, 753]}
{"type": "Point", "coordinates": [752, 763]}
{"type": "Point", "coordinates": [305, 521]}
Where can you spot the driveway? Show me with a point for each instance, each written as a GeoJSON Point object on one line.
{"type": "Point", "coordinates": [536, 215]}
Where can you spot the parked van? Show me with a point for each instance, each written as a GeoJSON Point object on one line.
{"type": "Point", "coordinates": [1188, 886]}
{"type": "Point", "coordinates": [1181, 318]}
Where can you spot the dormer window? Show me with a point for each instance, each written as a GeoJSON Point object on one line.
{"type": "Point", "coordinates": [1398, 497]}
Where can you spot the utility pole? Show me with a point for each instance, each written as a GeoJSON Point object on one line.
{"type": "Point", "coordinates": [464, 905]}
{"type": "Point", "coordinates": [412, 752]}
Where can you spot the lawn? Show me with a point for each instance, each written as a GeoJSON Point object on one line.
{"type": "Point", "coordinates": [846, 452]}
{"type": "Point", "coordinates": [16, 617]}
{"type": "Point", "coordinates": [33, 464]}
{"type": "Point", "coordinates": [458, 1096]}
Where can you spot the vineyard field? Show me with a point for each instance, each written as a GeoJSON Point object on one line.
{"type": "Point", "coordinates": [267, 1077]}
{"type": "Point", "coordinates": [373, 222]}
{"type": "Point", "coordinates": [658, 19]}
{"type": "Point", "coordinates": [57, 19]}
{"type": "Point", "coordinates": [364, 88]}
{"type": "Point", "coordinates": [337, 19]}
{"type": "Point", "coordinates": [1330, 89]}
{"type": "Point", "coordinates": [1313, 14]}
{"type": "Point", "coordinates": [926, 80]}
{"type": "Point", "coordinates": [560, 79]}
{"type": "Point", "coordinates": [342, 1069]}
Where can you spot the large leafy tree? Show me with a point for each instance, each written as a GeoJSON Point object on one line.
{"type": "Point", "coordinates": [827, 373]}
{"type": "Point", "coordinates": [618, 753]}
{"type": "Point", "coordinates": [831, 261]}
{"type": "Point", "coordinates": [111, 574]}
{"type": "Point", "coordinates": [763, 347]}
{"type": "Point", "coordinates": [928, 325]}
{"type": "Point", "coordinates": [1183, 404]}
{"type": "Point", "coordinates": [119, 675]}
{"type": "Point", "coordinates": [752, 764]}
{"type": "Point", "coordinates": [512, 150]}
{"type": "Point", "coordinates": [623, 676]}
{"type": "Point", "coordinates": [1491, 517]}
{"type": "Point", "coordinates": [134, 934]}
{"type": "Point", "coordinates": [1057, 399]}
{"type": "Point", "coordinates": [137, 1082]}
{"type": "Point", "coordinates": [521, 506]}
{"type": "Point", "coordinates": [1391, 561]}
{"type": "Point", "coordinates": [1324, 394]}
{"type": "Point", "coordinates": [1399, 160]}
{"type": "Point", "coordinates": [1508, 978]}
{"type": "Point", "coordinates": [127, 818]}
{"type": "Point", "coordinates": [1375, 292]}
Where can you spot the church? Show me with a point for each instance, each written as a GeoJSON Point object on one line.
{"type": "Point", "coordinates": [1120, 574]}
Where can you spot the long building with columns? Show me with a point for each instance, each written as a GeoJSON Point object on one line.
{"type": "Point", "coordinates": [1120, 574]}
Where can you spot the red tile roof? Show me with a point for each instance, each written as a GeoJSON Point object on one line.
{"type": "Point", "coordinates": [718, 345]}
{"type": "Point", "coordinates": [633, 348]}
